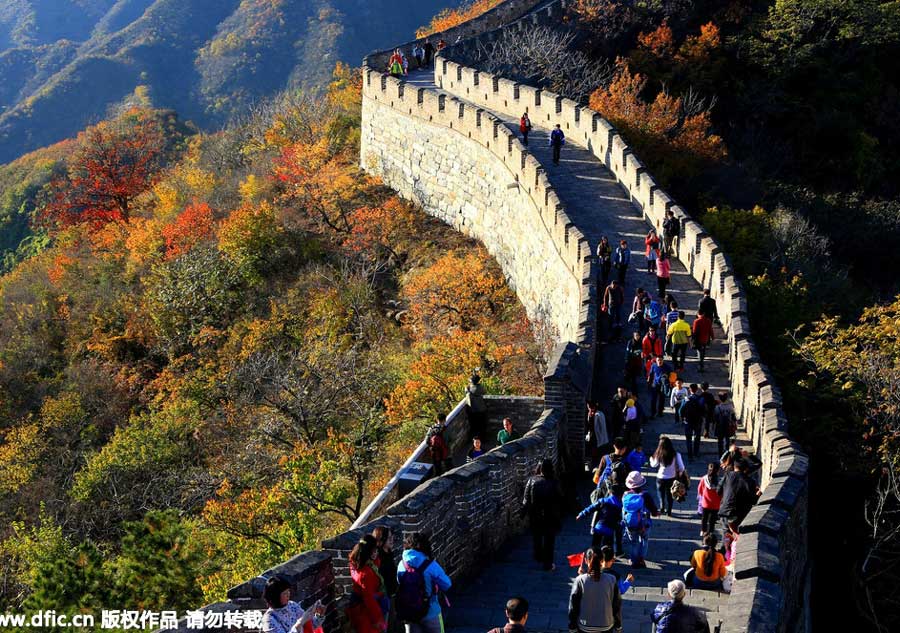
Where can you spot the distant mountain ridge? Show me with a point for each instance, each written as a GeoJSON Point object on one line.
{"type": "Point", "coordinates": [65, 63]}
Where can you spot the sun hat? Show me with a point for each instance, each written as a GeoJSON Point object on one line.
{"type": "Point", "coordinates": [635, 480]}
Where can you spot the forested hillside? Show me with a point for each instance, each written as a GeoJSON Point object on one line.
{"type": "Point", "coordinates": [64, 63]}
{"type": "Point", "coordinates": [220, 349]}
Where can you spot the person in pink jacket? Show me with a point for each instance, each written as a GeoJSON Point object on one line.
{"type": "Point", "coordinates": [662, 273]}
{"type": "Point", "coordinates": [709, 499]}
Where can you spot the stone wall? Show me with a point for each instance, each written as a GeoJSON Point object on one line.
{"type": "Point", "coordinates": [773, 570]}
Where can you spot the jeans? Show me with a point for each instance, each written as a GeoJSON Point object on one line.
{"type": "Point", "coordinates": [692, 438]}
{"type": "Point", "coordinates": [664, 494]}
{"type": "Point", "coordinates": [638, 543]}
{"type": "Point", "coordinates": [657, 399]}
{"type": "Point", "coordinates": [434, 625]}
{"type": "Point", "coordinates": [701, 354]}
{"type": "Point", "coordinates": [556, 149]}
{"type": "Point", "coordinates": [667, 242]}
{"type": "Point", "coordinates": [708, 520]}
{"type": "Point", "coordinates": [724, 441]}
{"type": "Point", "coordinates": [544, 540]}
{"type": "Point", "coordinates": [525, 137]}
{"type": "Point", "coordinates": [679, 351]}
{"type": "Point", "coordinates": [661, 284]}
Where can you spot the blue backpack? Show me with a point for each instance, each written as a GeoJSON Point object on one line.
{"type": "Point", "coordinates": [653, 312]}
{"type": "Point", "coordinates": [634, 514]}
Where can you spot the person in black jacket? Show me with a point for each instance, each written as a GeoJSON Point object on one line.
{"type": "Point", "coordinates": [543, 503]}
{"type": "Point", "coordinates": [676, 617]}
{"type": "Point", "coordinates": [707, 306]}
{"type": "Point", "coordinates": [739, 493]}
{"type": "Point", "coordinates": [387, 566]}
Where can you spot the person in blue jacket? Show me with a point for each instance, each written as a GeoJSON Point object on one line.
{"type": "Point", "coordinates": [609, 517]}
{"type": "Point", "coordinates": [557, 140]}
{"type": "Point", "coordinates": [621, 260]}
{"type": "Point", "coordinates": [417, 550]}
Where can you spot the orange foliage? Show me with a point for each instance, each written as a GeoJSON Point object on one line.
{"type": "Point", "coordinates": [115, 161]}
{"type": "Point", "coordinates": [192, 226]}
{"type": "Point", "coordinates": [696, 49]}
{"type": "Point", "coordinates": [456, 292]}
{"type": "Point", "coordinates": [660, 43]}
{"type": "Point", "coordinates": [659, 129]}
{"type": "Point", "coordinates": [448, 18]}
{"type": "Point", "coordinates": [384, 226]}
{"type": "Point", "coordinates": [58, 267]}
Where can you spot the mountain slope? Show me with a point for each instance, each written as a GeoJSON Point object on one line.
{"type": "Point", "coordinates": [65, 63]}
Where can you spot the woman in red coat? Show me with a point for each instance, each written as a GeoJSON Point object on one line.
{"type": "Point", "coordinates": [651, 242]}
{"type": "Point", "coordinates": [365, 612]}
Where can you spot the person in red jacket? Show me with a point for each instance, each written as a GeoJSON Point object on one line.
{"type": "Point", "coordinates": [709, 499]}
{"type": "Point", "coordinates": [365, 611]}
{"type": "Point", "coordinates": [525, 127]}
{"type": "Point", "coordinates": [702, 336]}
{"type": "Point", "coordinates": [651, 250]}
{"type": "Point", "coordinates": [437, 446]}
{"type": "Point", "coordinates": [652, 345]}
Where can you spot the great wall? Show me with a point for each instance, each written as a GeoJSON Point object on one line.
{"type": "Point", "coordinates": [445, 140]}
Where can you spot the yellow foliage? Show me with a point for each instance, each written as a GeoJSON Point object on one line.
{"type": "Point", "coordinates": [20, 454]}
{"type": "Point", "coordinates": [448, 18]}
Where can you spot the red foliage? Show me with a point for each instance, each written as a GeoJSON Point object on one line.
{"type": "Point", "coordinates": [193, 225]}
{"type": "Point", "coordinates": [114, 162]}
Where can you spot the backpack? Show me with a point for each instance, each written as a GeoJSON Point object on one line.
{"type": "Point", "coordinates": [653, 312]}
{"type": "Point", "coordinates": [634, 514]}
{"type": "Point", "coordinates": [613, 477]}
{"type": "Point", "coordinates": [413, 599]}
{"type": "Point", "coordinates": [662, 617]}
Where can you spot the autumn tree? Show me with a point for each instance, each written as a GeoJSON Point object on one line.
{"type": "Point", "coordinates": [192, 226]}
{"type": "Point", "coordinates": [115, 162]}
{"type": "Point", "coordinates": [457, 291]}
{"type": "Point", "coordinates": [680, 141]}
{"type": "Point", "coordinates": [448, 18]}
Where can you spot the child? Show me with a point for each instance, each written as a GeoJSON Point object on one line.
{"type": "Point", "coordinates": [476, 451]}
{"type": "Point", "coordinates": [709, 499]}
{"type": "Point", "coordinates": [636, 458]}
{"type": "Point", "coordinates": [608, 516]}
{"type": "Point", "coordinates": [608, 559]}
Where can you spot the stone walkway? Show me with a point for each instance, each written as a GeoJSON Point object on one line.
{"type": "Point", "coordinates": [599, 206]}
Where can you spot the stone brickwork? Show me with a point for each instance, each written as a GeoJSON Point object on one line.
{"type": "Point", "coordinates": [774, 572]}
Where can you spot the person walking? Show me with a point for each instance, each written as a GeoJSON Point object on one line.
{"type": "Point", "coordinates": [653, 312]}
{"type": "Point", "coordinates": [669, 465]}
{"type": "Point", "coordinates": [366, 609]}
{"type": "Point", "coordinates": [418, 571]}
{"type": "Point", "coordinates": [617, 411]}
{"type": "Point", "coordinates": [634, 364]}
{"type": "Point", "coordinates": [613, 299]}
{"type": "Point", "coordinates": [419, 54]}
{"type": "Point", "coordinates": [604, 259]}
{"type": "Point", "coordinates": [709, 499]}
{"type": "Point", "coordinates": [476, 409]}
{"type": "Point", "coordinates": [597, 430]}
{"type": "Point", "coordinates": [709, 407]}
{"type": "Point", "coordinates": [637, 310]}
{"type": "Point", "coordinates": [679, 334]}
{"type": "Point", "coordinates": [516, 616]}
{"type": "Point", "coordinates": [621, 260]}
{"type": "Point", "coordinates": [679, 394]}
{"type": "Point", "coordinates": [428, 50]}
{"type": "Point", "coordinates": [707, 306]}
{"type": "Point", "coordinates": [606, 517]}
{"type": "Point", "coordinates": [543, 503]}
{"type": "Point", "coordinates": [725, 421]}
{"type": "Point", "coordinates": [437, 446]}
{"type": "Point", "coordinates": [651, 250]}
{"type": "Point", "coordinates": [739, 493]}
{"type": "Point", "coordinates": [707, 566]}
{"type": "Point", "coordinates": [637, 508]}
{"type": "Point", "coordinates": [662, 273]}
{"type": "Point", "coordinates": [701, 336]}
{"type": "Point", "coordinates": [506, 433]}
{"type": "Point", "coordinates": [658, 381]}
{"type": "Point", "coordinates": [671, 230]}
{"type": "Point", "coordinates": [692, 414]}
{"type": "Point", "coordinates": [674, 616]}
{"type": "Point", "coordinates": [525, 127]}
{"type": "Point", "coordinates": [595, 604]}
{"type": "Point", "coordinates": [557, 140]}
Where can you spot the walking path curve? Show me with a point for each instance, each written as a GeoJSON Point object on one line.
{"type": "Point", "coordinates": [598, 205]}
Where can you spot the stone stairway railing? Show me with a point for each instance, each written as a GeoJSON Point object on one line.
{"type": "Point", "coordinates": [772, 567]}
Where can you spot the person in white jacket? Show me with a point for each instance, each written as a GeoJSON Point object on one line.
{"type": "Point", "coordinates": [669, 465]}
{"type": "Point", "coordinates": [680, 393]}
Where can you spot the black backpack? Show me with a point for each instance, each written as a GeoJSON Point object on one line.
{"type": "Point", "coordinates": [614, 475]}
{"type": "Point", "coordinates": [413, 599]}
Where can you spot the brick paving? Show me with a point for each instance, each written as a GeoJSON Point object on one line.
{"type": "Point", "coordinates": [599, 206]}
